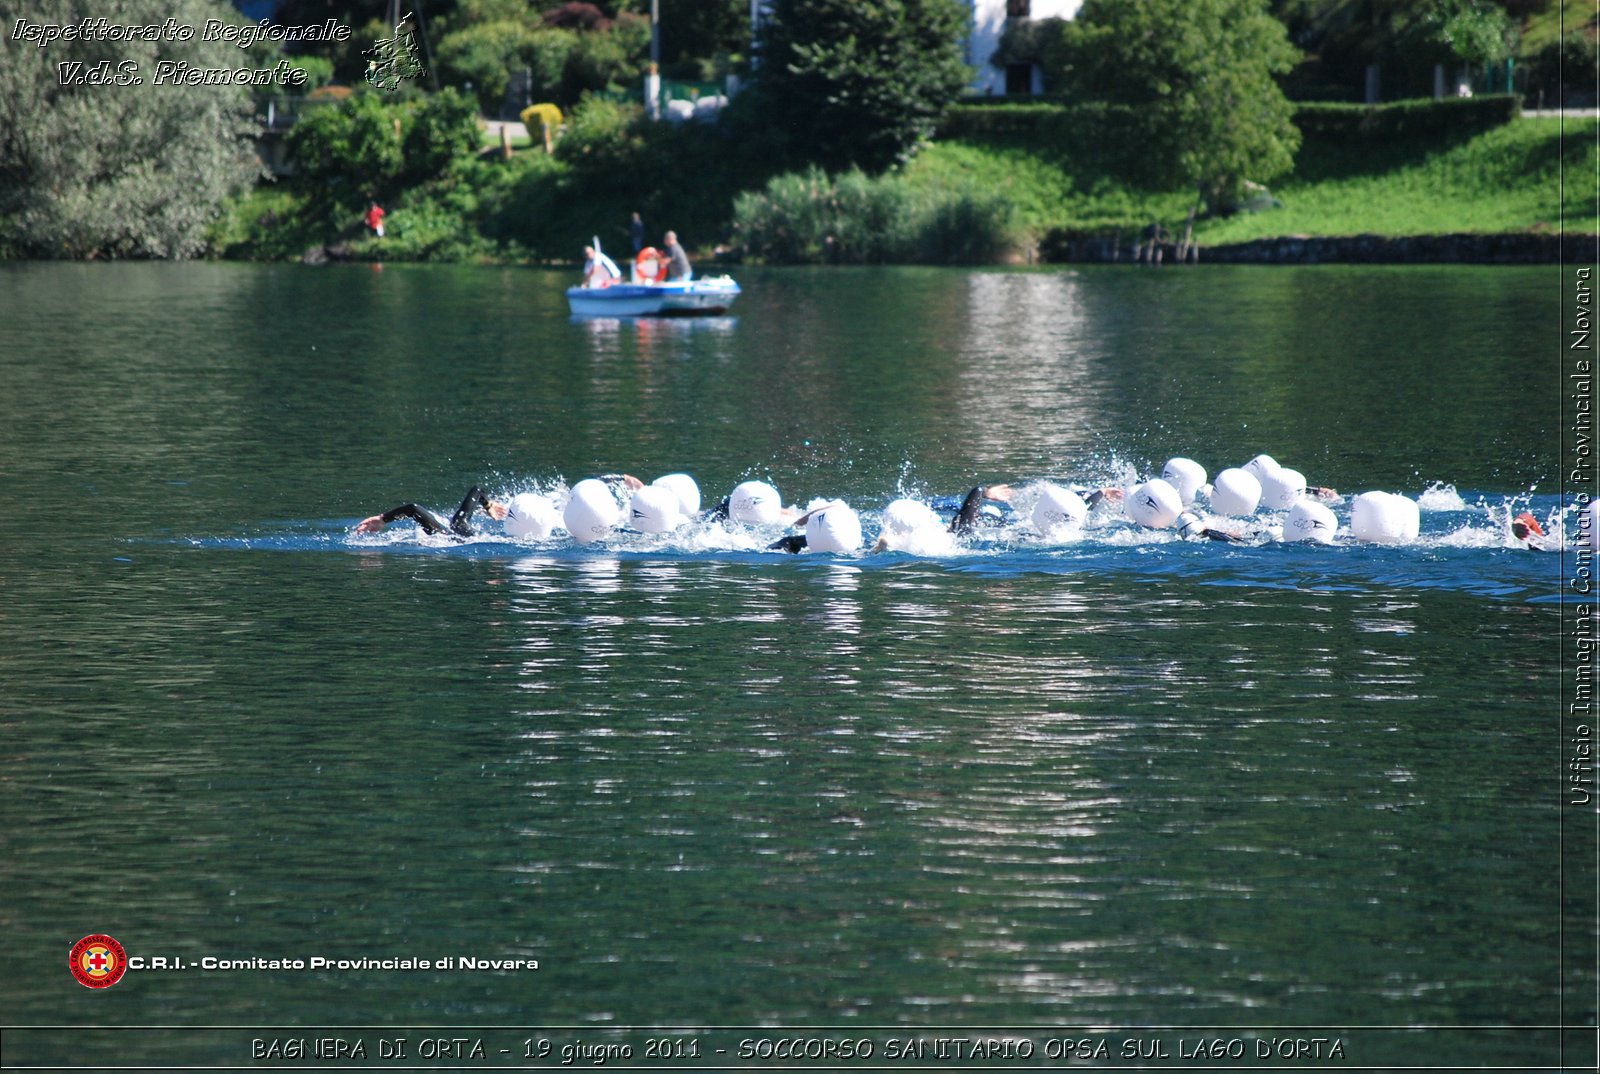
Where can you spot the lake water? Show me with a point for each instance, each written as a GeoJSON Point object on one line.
{"type": "Point", "coordinates": [1117, 788]}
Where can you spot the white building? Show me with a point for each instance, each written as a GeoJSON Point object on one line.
{"type": "Point", "coordinates": [989, 21]}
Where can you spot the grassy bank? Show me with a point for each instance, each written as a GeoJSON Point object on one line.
{"type": "Point", "coordinates": [1508, 178]}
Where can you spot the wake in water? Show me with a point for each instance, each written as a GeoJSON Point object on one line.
{"type": "Point", "coordinates": [1257, 524]}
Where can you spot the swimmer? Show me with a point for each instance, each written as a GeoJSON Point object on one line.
{"type": "Point", "coordinates": [596, 506]}
{"type": "Point", "coordinates": [1190, 525]}
{"type": "Point", "coordinates": [1526, 529]}
{"type": "Point", "coordinates": [754, 503]}
{"type": "Point", "coordinates": [459, 524]}
{"type": "Point", "coordinates": [830, 526]}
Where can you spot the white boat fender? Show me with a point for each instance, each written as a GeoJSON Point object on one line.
{"type": "Point", "coordinates": [833, 528]}
{"type": "Point", "coordinates": [1235, 492]}
{"type": "Point", "coordinates": [1281, 488]}
{"type": "Point", "coordinates": [530, 515]}
{"type": "Point", "coordinates": [655, 509]}
{"type": "Point", "coordinates": [1155, 504]}
{"type": "Point", "coordinates": [1310, 521]}
{"type": "Point", "coordinates": [1384, 518]}
{"type": "Point", "coordinates": [755, 502]}
{"type": "Point", "coordinates": [1059, 509]}
{"type": "Point", "coordinates": [1185, 475]}
{"type": "Point", "coordinates": [685, 489]}
{"type": "Point", "coordinates": [592, 511]}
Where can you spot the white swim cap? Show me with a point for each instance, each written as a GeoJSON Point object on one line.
{"type": "Point", "coordinates": [1155, 504]}
{"type": "Point", "coordinates": [834, 528]}
{"type": "Point", "coordinates": [907, 516]}
{"type": "Point", "coordinates": [1281, 488]}
{"type": "Point", "coordinates": [684, 487]}
{"type": "Point", "coordinates": [1235, 492]}
{"type": "Point", "coordinates": [1384, 518]}
{"type": "Point", "coordinates": [1261, 466]}
{"type": "Point", "coordinates": [655, 509]}
{"type": "Point", "coordinates": [592, 511]}
{"type": "Point", "coordinates": [531, 515]}
{"type": "Point", "coordinates": [1058, 509]}
{"type": "Point", "coordinates": [755, 502]}
{"type": "Point", "coordinates": [1591, 520]}
{"type": "Point", "coordinates": [1310, 521]}
{"type": "Point", "coordinates": [1185, 475]}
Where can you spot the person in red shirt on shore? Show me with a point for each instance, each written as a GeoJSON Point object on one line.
{"type": "Point", "coordinates": [375, 218]}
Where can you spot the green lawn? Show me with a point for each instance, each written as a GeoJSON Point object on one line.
{"type": "Point", "coordinates": [1509, 179]}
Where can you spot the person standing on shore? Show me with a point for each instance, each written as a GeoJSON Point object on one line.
{"type": "Point", "coordinates": [374, 218]}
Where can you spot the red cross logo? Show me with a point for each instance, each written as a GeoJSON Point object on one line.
{"type": "Point", "coordinates": [98, 961]}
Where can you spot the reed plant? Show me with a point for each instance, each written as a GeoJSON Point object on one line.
{"type": "Point", "coordinates": [813, 218]}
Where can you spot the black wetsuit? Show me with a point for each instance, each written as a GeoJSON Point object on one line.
{"type": "Point", "coordinates": [431, 523]}
{"type": "Point", "coordinates": [971, 513]}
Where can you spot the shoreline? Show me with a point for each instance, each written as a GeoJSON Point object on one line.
{"type": "Point", "coordinates": [1509, 248]}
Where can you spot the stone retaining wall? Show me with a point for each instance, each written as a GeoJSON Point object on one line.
{"type": "Point", "coordinates": [1524, 248]}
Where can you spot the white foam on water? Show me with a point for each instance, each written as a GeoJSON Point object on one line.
{"type": "Point", "coordinates": [1441, 497]}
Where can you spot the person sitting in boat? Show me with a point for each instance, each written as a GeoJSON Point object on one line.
{"type": "Point", "coordinates": [458, 526]}
{"type": "Point", "coordinates": [598, 269]}
{"type": "Point", "coordinates": [677, 261]}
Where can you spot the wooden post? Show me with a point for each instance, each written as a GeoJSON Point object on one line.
{"type": "Point", "coordinates": [505, 141]}
{"type": "Point", "coordinates": [549, 140]}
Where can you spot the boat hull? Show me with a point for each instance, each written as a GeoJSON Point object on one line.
{"type": "Point", "coordinates": [697, 298]}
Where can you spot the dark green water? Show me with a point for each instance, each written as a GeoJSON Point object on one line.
{"type": "Point", "coordinates": [1061, 790]}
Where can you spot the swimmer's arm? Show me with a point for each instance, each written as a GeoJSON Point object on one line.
{"type": "Point", "coordinates": [474, 498]}
{"type": "Point", "coordinates": [1103, 495]}
{"type": "Point", "coordinates": [974, 503]}
{"type": "Point", "coordinates": [420, 515]}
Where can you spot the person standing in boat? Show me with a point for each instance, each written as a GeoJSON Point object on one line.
{"type": "Point", "coordinates": [677, 261]}
{"type": "Point", "coordinates": [636, 233]}
{"type": "Point", "coordinates": [598, 269]}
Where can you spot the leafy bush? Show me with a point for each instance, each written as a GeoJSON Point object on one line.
{"type": "Point", "coordinates": [1405, 119]}
{"type": "Point", "coordinates": [541, 115]}
{"type": "Point", "coordinates": [438, 130]}
{"type": "Point", "coordinates": [368, 147]}
{"type": "Point", "coordinates": [354, 148]}
{"type": "Point", "coordinates": [485, 54]}
{"type": "Point", "coordinates": [603, 139]}
{"type": "Point", "coordinates": [808, 217]}
{"type": "Point", "coordinates": [1571, 55]}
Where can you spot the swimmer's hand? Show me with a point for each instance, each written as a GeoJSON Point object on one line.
{"type": "Point", "coordinates": [370, 525]}
{"type": "Point", "coordinates": [498, 510]}
{"type": "Point", "coordinates": [1002, 493]}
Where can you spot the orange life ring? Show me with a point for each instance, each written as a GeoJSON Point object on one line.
{"type": "Point", "coordinates": [650, 266]}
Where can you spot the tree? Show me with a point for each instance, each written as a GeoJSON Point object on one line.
{"type": "Point", "coordinates": [858, 82]}
{"type": "Point", "coordinates": [129, 169]}
{"type": "Point", "coordinates": [1192, 85]}
{"type": "Point", "coordinates": [1406, 37]}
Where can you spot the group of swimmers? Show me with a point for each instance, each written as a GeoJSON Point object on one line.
{"type": "Point", "coordinates": [1227, 508]}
